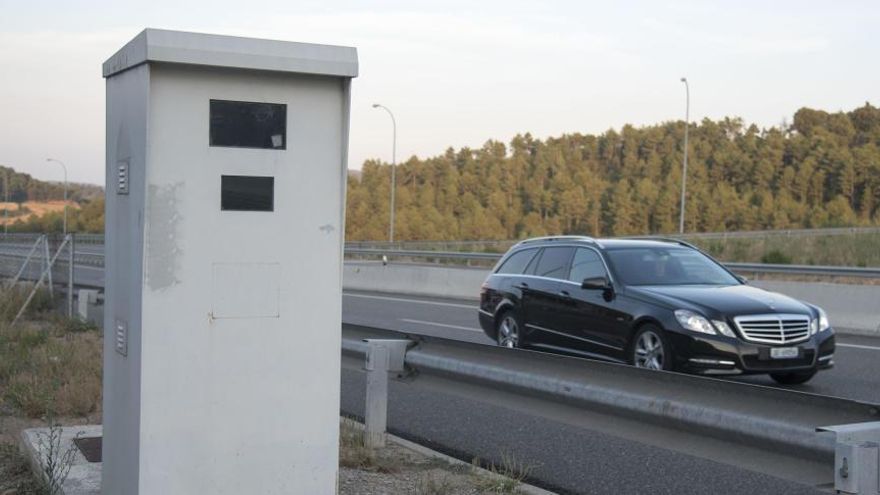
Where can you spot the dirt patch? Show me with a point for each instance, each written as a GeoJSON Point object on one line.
{"type": "Point", "coordinates": [31, 209]}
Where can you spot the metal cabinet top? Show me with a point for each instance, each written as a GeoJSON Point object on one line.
{"type": "Point", "coordinates": [179, 47]}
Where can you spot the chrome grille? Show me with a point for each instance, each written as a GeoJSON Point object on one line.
{"type": "Point", "coordinates": [774, 328]}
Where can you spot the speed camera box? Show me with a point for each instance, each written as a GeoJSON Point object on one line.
{"type": "Point", "coordinates": [226, 168]}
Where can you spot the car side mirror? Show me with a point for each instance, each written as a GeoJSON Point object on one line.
{"type": "Point", "coordinates": [599, 283]}
{"type": "Point", "coordinates": [595, 283]}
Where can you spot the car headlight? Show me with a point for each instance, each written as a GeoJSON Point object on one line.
{"type": "Point", "coordinates": [822, 323]}
{"type": "Point", "coordinates": [694, 322]}
{"type": "Point", "coordinates": [723, 328]}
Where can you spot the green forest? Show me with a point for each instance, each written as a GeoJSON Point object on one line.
{"type": "Point", "coordinates": [821, 170]}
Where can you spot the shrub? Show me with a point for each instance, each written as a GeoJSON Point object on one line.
{"type": "Point", "coordinates": [49, 365]}
{"type": "Point", "coordinates": [776, 257]}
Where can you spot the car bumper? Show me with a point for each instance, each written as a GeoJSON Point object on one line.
{"type": "Point", "coordinates": [487, 323]}
{"type": "Point", "coordinates": [722, 355]}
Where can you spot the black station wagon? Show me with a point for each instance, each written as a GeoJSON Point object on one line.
{"type": "Point", "coordinates": [658, 304]}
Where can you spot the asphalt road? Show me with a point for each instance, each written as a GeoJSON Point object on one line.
{"type": "Point", "coordinates": [856, 374]}
{"type": "Point", "coordinates": [560, 457]}
{"type": "Point", "coordinates": [564, 456]}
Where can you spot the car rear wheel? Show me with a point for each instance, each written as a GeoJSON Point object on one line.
{"type": "Point", "coordinates": [794, 378]}
{"type": "Point", "coordinates": [508, 330]}
{"type": "Point", "coordinates": [650, 350]}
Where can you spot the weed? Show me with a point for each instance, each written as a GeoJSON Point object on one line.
{"type": "Point", "coordinates": [55, 458]}
{"type": "Point", "coordinates": [75, 325]}
{"type": "Point", "coordinates": [354, 453]}
{"type": "Point", "coordinates": [504, 478]}
{"type": "Point", "coordinates": [13, 298]}
{"type": "Point", "coordinates": [15, 473]}
{"type": "Point", "coordinates": [353, 450]}
{"type": "Point", "coordinates": [434, 484]}
{"type": "Point", "coordinates": [49, 365]}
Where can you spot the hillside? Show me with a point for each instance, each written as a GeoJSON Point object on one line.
{"type": "Point", "coordinates": [23, 187]}
{"type": "Point", "coordinates": [823, 170]}
{"type": "Point", "coordinates": [38, 206]}
{"type": "Point", "coordinates": [24, 212]}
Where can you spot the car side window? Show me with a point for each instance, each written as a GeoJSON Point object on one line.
{"type": "Point", "coordinates": [554, 262]}
{"type": "Point", "coordinates": [586, 264]}
{"type": "Point", "coordinates": [517, 262]}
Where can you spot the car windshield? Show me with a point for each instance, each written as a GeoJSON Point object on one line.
{"type": "Point", "coordinates": [667, 266]}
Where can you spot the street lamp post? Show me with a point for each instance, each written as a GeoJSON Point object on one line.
{"type": "Point", "coordinates": [684, 167]}
{"type": "Point", "coordinates": [393, 167]}
{"type": "Point", "coordinates": [65, 189]}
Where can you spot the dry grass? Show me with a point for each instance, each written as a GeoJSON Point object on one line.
{"type": "Point", "coordinates": [48, 365]}
{"type": "Point", "coordinates": [856, 249]}
{"type": "Point", "coordinates": [34, 209]}
{"type": "Point", "coordinates": [11, 300]}
{"type": "Point", "coordinates": [42, 371]}
{"type": "Point", "coordinates": [354, 453]}
{"type": "Point", "coordinates": [406, 471]}
{"type": "Point", "coordinates": [16, 477]}
{"type": "Point", "coordinates": [504, 478]}
{"type": "Point", "coordinates": [433, 483]}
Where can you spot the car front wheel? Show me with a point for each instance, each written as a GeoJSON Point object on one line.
{"type": "Point", "coordinates": [794, 378]}
{"type": "Point", "coordinates": [650, 350]}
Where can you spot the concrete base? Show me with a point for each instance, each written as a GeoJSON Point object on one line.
{"type": "Point", "coordinates": [84, 477]}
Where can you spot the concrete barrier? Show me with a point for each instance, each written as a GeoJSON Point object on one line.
{"type": "Point", "coordinates": [851, 308]}
{"type": "Point", "coordinates": [415, 279]}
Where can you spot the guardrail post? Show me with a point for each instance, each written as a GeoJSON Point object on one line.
{"type": "Point", "coordinates": [856, 458]}
{"type": "Point", "coordinates": [383, 356]}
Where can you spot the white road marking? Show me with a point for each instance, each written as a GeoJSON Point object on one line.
{"type": "Point", "coordinates": [856, 346]}
{"type": "Point", "coordinates": [444, 325]}
{"type": "Point", "coordinates": [418, 301]}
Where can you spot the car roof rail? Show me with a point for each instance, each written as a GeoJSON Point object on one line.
{"type": "Point", "coordinates": [661, 239]}
{"type": "Point", "coordinates": [559, 238]}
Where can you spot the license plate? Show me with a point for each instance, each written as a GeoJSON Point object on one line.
{"type": "Point", "coordinates": [783, 352]}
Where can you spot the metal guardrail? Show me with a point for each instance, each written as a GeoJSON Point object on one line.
{"type": "Point", "coordinates": [90, 249]}
{"type": "Point", "coordinates": [834, 271]}
{"type": "Point", "coordinates": [725, 410]}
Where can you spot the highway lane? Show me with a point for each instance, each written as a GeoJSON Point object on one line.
{"type": "Point", "coordinates": [565, 456]}
{"type": "Point", "coordinates": [856, 374]}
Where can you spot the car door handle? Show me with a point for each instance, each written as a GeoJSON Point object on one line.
{"type": "Point", "coordinates": [565, 294]}
{"type": "Point", "coordinates": [522, 285]}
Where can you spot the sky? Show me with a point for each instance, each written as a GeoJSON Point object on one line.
{"type": "Point", "coordinates": [458, 73]}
